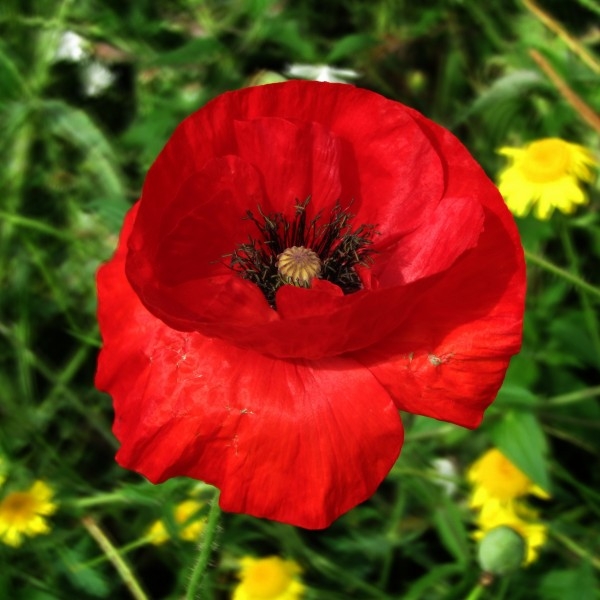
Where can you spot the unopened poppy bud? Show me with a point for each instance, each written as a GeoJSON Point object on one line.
{"type": "Point", "coordinates": [298, 265]}
{"type": "Point", "coordinates": [501, 551]}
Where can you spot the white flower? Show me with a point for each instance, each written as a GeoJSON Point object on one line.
{"type": "Point", "coordinates": [97, 78]}
{"type": "Point", "coordinates": [321, 73]}
{"type": "Point", "coordinates": [71, 47]}
{"type": "Point", "coordinates": [447, 470]}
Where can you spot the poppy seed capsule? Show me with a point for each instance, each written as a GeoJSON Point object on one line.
{"type": "Point", "coordinates": [501, 551]}
{"type": "Point", "coordinates": [298, 265]}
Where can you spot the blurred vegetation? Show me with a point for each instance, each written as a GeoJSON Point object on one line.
{"type": "Point", "coordinates": [75, 148]}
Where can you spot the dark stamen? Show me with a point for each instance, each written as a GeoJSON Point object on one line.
{"type": "Point", "coordinates": [339, 248]}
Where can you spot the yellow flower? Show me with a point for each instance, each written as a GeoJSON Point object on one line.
{"type": "Point", "coordinates": [545, 174]}
{"type": "Point", "coordinates": [190, 528]}
{"type": "Point", "coordinates": [270, 578]}
{"type": "Point", "coordinates": [495, 478]}
{"type": "Point", "coordinates": [22, 513]}
{"type": "Point", "coordinates": [516, 516]}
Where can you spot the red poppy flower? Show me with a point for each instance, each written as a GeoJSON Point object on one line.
{"type": "Point", "coordinates": [306, 259]}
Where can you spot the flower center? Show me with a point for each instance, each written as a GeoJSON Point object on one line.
{"type": "Point", "coordinates": [546, 160]}
{"type": "Point", "coordinates": [295, 251]}
{"type": "Point", "coordinates": [298, 265]}
{"type": "Point", "coordinates": [267, 580]}
{"type": "Point", "coordinates": [18, 507]}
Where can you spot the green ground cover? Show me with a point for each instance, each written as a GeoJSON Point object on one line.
{"type": "Point", "coordinates": [82, 119]}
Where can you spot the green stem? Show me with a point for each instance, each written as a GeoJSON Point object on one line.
{"type": "Point", "coordinates": [504, 581]}
{"type": "Point", "coordinates": [573, 397]}
{"type": "Point", "coordinates": [330, 569]}
{"type": "Point", "coordinates": [570, 277]}
{"type": "Point", "coordinates": [206, 546]}
{"type": "Point", "coordinates": [392, 533]}
{"type": "Point", "coordinates": [122, 550]}
{"type": "Point", "coordinates": [34, 225]}
{"type": "Point", "coordinates": [588, 313]}
{"type": "Point", "coordinates": [574, 547]}
{"type": "Point", "coordinates": [476, 592]}
{"type": "Point", "coordinates": [115, 558]}
{"type": "Point", "coordinates": [99, 500]}
{"type": "Point", "coordinates": [438, 432]}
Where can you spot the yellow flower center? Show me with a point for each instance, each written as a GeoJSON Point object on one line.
{"type": "Point", "coordinates": [18, 508]}
{"type": "Point", "coordinates": [267, 578]}
{"type": "Point", "coordinates": [546, 160]}
{"type": "Point", "coordinates": [298, 265]}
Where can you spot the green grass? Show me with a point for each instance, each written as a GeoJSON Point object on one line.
{"type": "Point", "coordinates": [71, 166]}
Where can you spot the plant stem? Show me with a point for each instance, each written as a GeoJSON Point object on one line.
{"type": "Point", "coordinates": [552, 268]}
{"type": "Point", "coordinates": [574, 547]}
{"type": "Point", "coordinates": [320, 563]}
{"type": "Point", "coordinates": [115, 558]}
{"type": "Point", "coordinates": [205, 546]}
{"type": "Point", "coordinates": [573, 44]}
{"type": "Point", "coordinates": [392, 533]}
{"type": "Point", "coordinates": [588, 313]}
{"type": "Point", "coordinates": [586, 113]}
{"type": "Point", "coordinates": [99, 500]}
{"type": "Point", "coordinates": [573, 397]}
{"type": "Point", "coordinates": [476, 592]}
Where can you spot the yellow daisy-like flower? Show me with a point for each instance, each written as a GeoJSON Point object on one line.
{"type": "Point", "coordinates": [270, 578]}
{"type": "Point", "coordinates": [518, 517]}
{"type": "Point", "coordinates": [22, 513]}
{"type": "Point", "coordinates": [190, 529]}
{"type": "Point", "coordinates": [545, 175]}
{"type": "Point", "coordinates": [494, 477]}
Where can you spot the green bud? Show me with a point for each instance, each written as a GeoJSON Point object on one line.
{"type": "Point", "coordinates": [264, 77]}
{"type": "Point", "coordinates": [416, 81]}
{"type": "Point", "coordinates": [501, 550]}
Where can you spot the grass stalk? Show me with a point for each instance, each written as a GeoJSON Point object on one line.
{"type": "Point", "coordinates": [113, 555]}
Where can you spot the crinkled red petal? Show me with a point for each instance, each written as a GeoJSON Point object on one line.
{"type": "Point", "coordinates": [337, 139]}
{"type": "Point", "coordinates": [295, 441]}
{"type": "Point", "coordinates": [449, 357]}
{"type": "Point", "coordinates": [296, 160]}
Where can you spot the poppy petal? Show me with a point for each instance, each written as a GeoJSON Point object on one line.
{"type": "Point", "coordinates": [180, 272]}
{"type": "Point", "coordinates": [449, 357]}
{"type": "Point", "coordinates": [269, 433]}
{"type": "Point", "coordinates": [297, 161]}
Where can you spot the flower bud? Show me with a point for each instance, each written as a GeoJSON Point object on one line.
{"type": "Point", "coordinates": [501, 550]}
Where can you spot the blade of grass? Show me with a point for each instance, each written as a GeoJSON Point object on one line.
{"type": "Point", "coordinates": [115, 558]}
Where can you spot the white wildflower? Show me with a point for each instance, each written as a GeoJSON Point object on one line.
{"type": "Point", "coordinates": [320, 73]}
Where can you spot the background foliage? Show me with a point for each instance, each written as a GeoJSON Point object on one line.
{"type": "Point", "coordinates": [73, 160]}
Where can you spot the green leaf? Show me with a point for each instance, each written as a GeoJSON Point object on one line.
{"type": "Point", "coordinates": [506, 102]}
{"type": "Point", "coordinates": [436, 576]}
{"type": "Point", "coordinates": [287, 35]}
{"type": "Point", "coordinates": [521, 439]}
{"type": "Point", "coordinates": [515, 395]}
{"type": "Point", "coordinates": [350, 45]}
{"type": "Point", "coordinates": [77, 128]}
{"type": "Point", "coordinates": [592, 5]}
{"type": "Point", "coordinates": [82, 577]}
{"type": "Point", "coordinates": [194, 52]}
{"type": "Point", "coordinates": [570, 584]}
{"type": "Point", "coordinates": [522, 373]}
{"type": "Point", "coordinates": [12, 86]}
{"type": "Point", "coordinates": [451, 528]}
